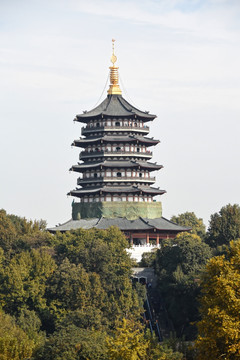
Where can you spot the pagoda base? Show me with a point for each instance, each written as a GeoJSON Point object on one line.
{"type": "Point", "coordinates": [111, 210]}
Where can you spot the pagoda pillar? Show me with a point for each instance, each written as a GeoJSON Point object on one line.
{"type": "Point", "coordinates": [147, 238]}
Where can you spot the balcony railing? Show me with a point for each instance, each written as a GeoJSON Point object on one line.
{"type": "Point", "coordinates": [105, 153]}
{"type": "Point", "coordinates": [116, 179]}
{"type": "Point", "coordinates": [88, 129]}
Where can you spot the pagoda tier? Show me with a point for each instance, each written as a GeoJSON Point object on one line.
{"type": "Point", "coordinates": [116, 193]}
{"type": "Point", "coordinates": [116, 151]}
{"type": "Point", "coordinates": [119, 164]}
{"type": "Point", "coordinates": [129, 139]}
{"type": "Point", "coordinates": [115, 172]}
{"type": "Point", "coordinates": [115, 107]}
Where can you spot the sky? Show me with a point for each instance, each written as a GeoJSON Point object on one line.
{"type": "Point", "coordinates": [178, 59]}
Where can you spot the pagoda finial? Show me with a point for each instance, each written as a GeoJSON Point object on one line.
{"type": "Point", "coordinates": [114, 88]}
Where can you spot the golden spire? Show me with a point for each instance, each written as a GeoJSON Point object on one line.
{"type": "Point", "coordinates": [114, 88]}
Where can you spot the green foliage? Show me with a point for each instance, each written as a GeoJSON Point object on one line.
{"type": "Point", "coordinates": [189, 219]}
{"type": "Point", "coordinates": [224, 226]}
{"type": "Point", "coordinates": [128, 342]}
{"type": "Point", "coordinates": [74, 343]}
{"type": "Point", "coordinates": [14, 342]}
{"type": "Point", "coordinates": [161, 351]}
{"type": "Point", "coordinates": [148, 259]}
{"type": "Point", "coordinates": [219, 329]}
{"type": "Point", "coordinates": [24, 281]}
{"type": "Point", "coordinates": [30, 323]}
{"type": "Point", "coordinates": [18, 234]}
{"type": "Point", "coordinates": [8, 232]}
{"type": "Point", "coordinates": [65, 293]}
{"type": "Point", "coordinates": [178, 266]}
{"type": "Point", "coordinates": [102, 252]}
{"type": "Point", "coordinates": [186, 252]}
{"type": "Point", "coordinates": [71, 288]}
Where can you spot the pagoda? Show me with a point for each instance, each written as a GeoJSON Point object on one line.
{"type": "Point", "coordinates": [115, 183]}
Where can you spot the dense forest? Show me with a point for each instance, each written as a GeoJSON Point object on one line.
{"type": "Point", "coordinates": [71, 297]}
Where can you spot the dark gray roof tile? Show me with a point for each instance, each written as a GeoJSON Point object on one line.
{"type": "Point", "coordinates": [123, 223]}
{"type": "Point", "coordinates": [114, 105]}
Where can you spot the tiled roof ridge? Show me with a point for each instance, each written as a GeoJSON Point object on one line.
{"type": "Point", "coordinates": [171, 222]}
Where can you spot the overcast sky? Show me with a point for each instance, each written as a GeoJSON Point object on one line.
{"type": "Point", "coordinates": [178, 59]}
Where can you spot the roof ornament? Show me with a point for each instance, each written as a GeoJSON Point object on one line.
{"type": "Point", "coordinates": [114, 88]}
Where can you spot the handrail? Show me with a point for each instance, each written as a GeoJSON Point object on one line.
{"type": "Point", "coordinates": [89, 128]}
{"type": "Point", "coordinates": [109, 152]}
{"type": "Point", "coordinates": [116, 178]}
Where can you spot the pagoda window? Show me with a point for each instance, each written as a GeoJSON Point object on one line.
{"type": "Point", "coordinates": [130, 198]}
{"type": "Point", "coordinates": [117, 123]}
{"type": "Point", "coordinates": [108, 173]}
{"type": "Point", "coordinates": [108, 198]}
{"type": "Point", "coordinates": [138, 149]}
{"type": "Point", "coordinates": [140, 174]}
{"type": "Point", "coordinates": [129, 173]}
{"type": "Point", "coordinates": [127, 148]}
{"type": "Point", "coordinates": [118, 148]}
{"type": "Point", "coordinates": [85, 199]}
{"type": "Point", "coordinates": [98, 124]}
{"type": "Point", "coordinates": [109, 123]}
{"type": "Point", "coordinates": [90, 199]}
{"type": "Point", "coordinates": [95, 175]}
{"type": "Point", "coordinates": [140, 199]}
{"type": "Point", "coordinates": [119, 174]}
{"type": "Point", "coordinates": [135, 124]}
{"type": "Point", "coordinates": [124, 198]}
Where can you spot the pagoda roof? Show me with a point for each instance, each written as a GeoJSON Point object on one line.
{"type": "Point", "coordinates": [115, 106]}
{"type": "Point", "coordinates": [116, 164]}
{"type": "Point", "coordinates": [115, 190]}
{"type": "Point", "coordinates": [123, 223]}
{"type": "Point", "coordinates": [115, 139]}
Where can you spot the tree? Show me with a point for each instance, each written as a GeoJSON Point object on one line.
{"type": "Point", "coordinates": [128, 342]}
{"type": "Point", "coordinates": [186, 251]}
{"type": "Point", "coordinates": [189, 219]}
{"type": "Point", "coordinates": [74, 343]}
{"type": "Point", "coordinates": [23, 282]}
{"type": "Point", "coordinates": [14, 342]}
{"type": "Point", "coordinates": [224, 226]}
{"type": "Point", "coordinates": [70, 288]}
{"type": "Point", "coordinates": [219, 329]}
{"type": "Point", "coordinates": [103, 252]}
{"type": "Point", "coordinates": [8, 232]}
{"type": "Point", "coordinates": [178, 265]}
